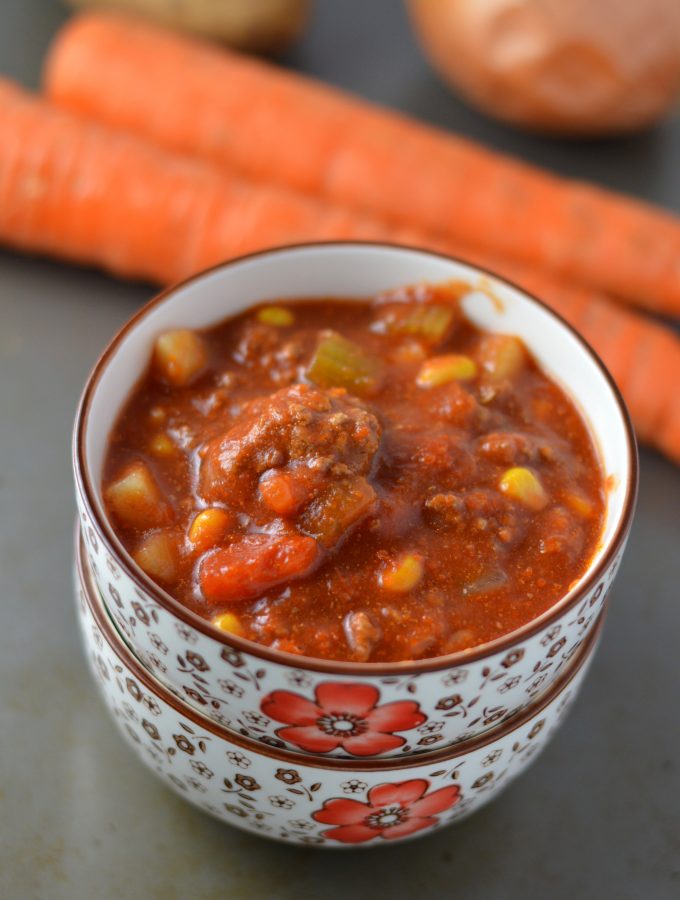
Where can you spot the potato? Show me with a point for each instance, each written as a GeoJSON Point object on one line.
{"type": "Point", "coordinates": [580, 67]}
{"type": "Point", "coordinates": [180, 356]}
{"type": "Point", "coordinates": [136, 500]}
{"type": "Point", "coordinates": [256, 25]}
{"type": "Point", "coordinates": [157, 555]}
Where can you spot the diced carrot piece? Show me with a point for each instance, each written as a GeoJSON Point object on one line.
{"type": "Point", "coordinates": [157, 555]}
{"type": "Point", "coordinates": [285, 492]}
{"type": "Point", "coordinates": [180, 356]}
{"type": "Point", "coordinates": [136, 500]}
{"type": "Point", "coordinates": [254, 564]}
{"type": "Point", "coordinates": [209, 527]}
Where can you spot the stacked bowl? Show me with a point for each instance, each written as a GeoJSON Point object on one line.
{"type": "Point", "coordinates": [314, 751]}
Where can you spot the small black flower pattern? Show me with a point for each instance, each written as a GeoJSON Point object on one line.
{"type": "Point", "coordinates": [353, 786]}
{"type": "Point", "coordinates": [281, 802]}
{"type": "Point", "coordinates": [197, 661]}
{"type": "Point", "coordinates": [230, 688]}
{"type": "Point", "coordinates": [236, 810]}
{"type": "Point", "coordinates": [184, 744]}
{"type": "Point", "coordinates": [158, 644]}
{"type": "Point", "coordinates": [513, 658]}
{"type": "Point", "coordinates": [300, 679]}
{"type": "Point", "coordinates": [238, 759]}
{"type": "Point", "coordinates": [201, 769]}
{"type": "Point", "coordinates": [186, 633]}
{"type": "Point", "coordinates": [449, 702]}
{"type": "Point", "coordinates": [151, 730]}
{"type": "Point", "coordinates": [288, 776]}
{"type": "Point", "coordinates": [233, 657]}
{"type": "Point", "coordinates": [246, 782]}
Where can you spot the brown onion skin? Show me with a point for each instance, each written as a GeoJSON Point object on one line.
{"type": "Point", "coordinates": [570, 67]}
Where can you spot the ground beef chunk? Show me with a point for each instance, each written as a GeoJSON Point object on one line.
{"type": "Point", "coordinates": [319, 445]}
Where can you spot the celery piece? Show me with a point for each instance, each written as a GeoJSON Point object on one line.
{"type": "Point", "coordinates": [338, 362]}
{"type": "Point", "coordinates": [343, 503]}
{"type": "Point", "coordinates": [432, 322]}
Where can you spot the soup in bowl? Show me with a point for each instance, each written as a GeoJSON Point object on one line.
{"type": "Point", "coordinates": [334, 493]}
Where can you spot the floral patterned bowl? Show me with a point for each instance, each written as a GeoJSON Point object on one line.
{"type": "Point", "coordinates": [320, 706]}
{"type": "Point", "coordinates": [299, 798]}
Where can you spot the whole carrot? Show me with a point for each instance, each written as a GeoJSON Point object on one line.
{"type": "Point", "coordinates": [80, 191]}
{"type": "Point", "coordinates": [277, 126]}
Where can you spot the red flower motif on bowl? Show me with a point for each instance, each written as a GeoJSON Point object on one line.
{"type": "Point", "coordinates": [392, 811]}
{"type": "Point", "coordinates": [342, 715]}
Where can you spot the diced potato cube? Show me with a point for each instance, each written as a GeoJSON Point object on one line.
{"type": "Point", "coordinates": [522, 485]}
{"type": "Point", "coordinates": [278, 316]}
{"type": "Point", "coordinates": [501, 356]}
{"type": "Point", "coordinates": [136, 500]}
{"type": "Point", "coordinates": [442, 369]}
{"type": "Point", "coordinates": [161, 445]}
{"type": "Point", "coordinates": [180, 356]}
{"type": "Point", "coordinates": [342, 363]}
{"type": "Point", "coordinates": [228, 622]}
{"type": "Point", "coordinates": [209, 527]}
{"type": "Point", "coordinates": [404, 574]}
{"type": "Point", "coordinates": [157, 555]}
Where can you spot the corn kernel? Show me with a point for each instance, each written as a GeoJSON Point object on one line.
{"type": "Point", "coordinates": [209, 527]}
{"type": "Point", "coordinates": [157, 555]}
{"type": "Point", "coordinates": [180, 356]}
{"type": "Point", "coordinates": [442, 369]}
{"type": "Point", "coordinates": [161, 445]}
{"type": "Point", "coordinates": [404, 575]}
{"type": "Point", "coordinates": [228, 622]}
{"type": "Point", "coordinates": [522, 485]}
{"type": "Point", "coordinates": [278, 316]}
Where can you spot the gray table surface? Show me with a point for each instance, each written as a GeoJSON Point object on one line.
{"type": "Point", "coordinates": [597, 816]}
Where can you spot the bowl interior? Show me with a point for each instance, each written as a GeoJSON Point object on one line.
{"type": "Point", "coordinates": [357, 271]}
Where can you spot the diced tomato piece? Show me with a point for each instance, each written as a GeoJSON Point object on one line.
{"type": "Point", "coordinates": [253, 564]}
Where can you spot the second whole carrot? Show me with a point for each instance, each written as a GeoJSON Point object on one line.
{"type": "Point", "coordinates": [274, 125]}
{"type": "Point", "coordinates": [79, 191]}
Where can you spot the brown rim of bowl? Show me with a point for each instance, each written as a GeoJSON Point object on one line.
{"type": "Point", "coordinates": [123, 652]}
{"type": "Point", "coordinates": [337, 667]}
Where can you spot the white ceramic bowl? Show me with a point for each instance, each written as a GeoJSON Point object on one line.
{"type": "Point", "coordinates": [296, 797]}
{"type": "Point", "coordinates": [434, 701]}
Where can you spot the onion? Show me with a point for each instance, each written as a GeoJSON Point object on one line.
{"type": "Point", "coordinates": [580, 67]}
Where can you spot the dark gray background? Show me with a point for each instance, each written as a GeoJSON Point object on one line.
{"type": "Point", "coordinates": [598, 816]}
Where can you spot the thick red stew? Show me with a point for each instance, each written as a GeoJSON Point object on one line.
{"type": "Point", "coordinates": [369, 481]}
